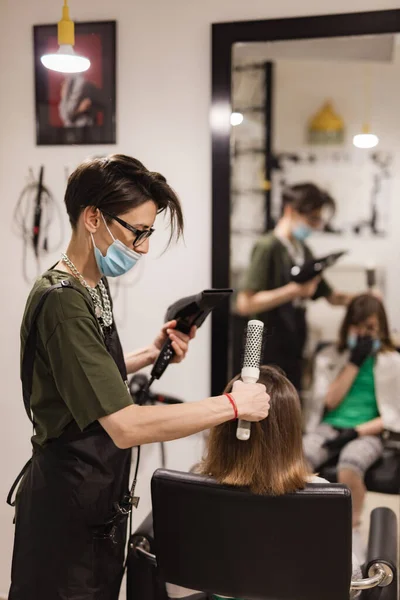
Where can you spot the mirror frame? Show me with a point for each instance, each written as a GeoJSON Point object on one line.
{"type": "Point", "coordinates": [224, 35]}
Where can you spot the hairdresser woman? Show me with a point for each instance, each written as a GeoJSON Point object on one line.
{"type": "Point", "coordinates": [269, 294]}
{"type": "Point", "coordinates": [70, 530]}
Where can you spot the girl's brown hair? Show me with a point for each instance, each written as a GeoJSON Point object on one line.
{"type": "Point", "coordinates": [272, 460]}
{"type": "Point", "coordinates": [359, 309]}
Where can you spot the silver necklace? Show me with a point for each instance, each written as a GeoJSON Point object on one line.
{"type": "Point", "coordinates": [102, 309]}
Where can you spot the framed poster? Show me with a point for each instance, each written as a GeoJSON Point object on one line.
{"type": "Point", "coordinates": [77, 108]}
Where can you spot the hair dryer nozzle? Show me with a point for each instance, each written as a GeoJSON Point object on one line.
{"type": "Point", "coordinates": [314, 267]}
{"type": "Point", "coordinates": [189, 311]}
{"type": "Point", "coordinates": [193, 310]}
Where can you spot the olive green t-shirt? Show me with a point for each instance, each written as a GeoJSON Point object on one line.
{"type": "Point", "coordinates": [75, 377]}
{"type": "Point", "coordinates": [270, 266]}
{"type": "Point", "coordinates": [269, 269]}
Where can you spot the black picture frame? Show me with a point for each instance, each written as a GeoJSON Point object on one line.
{"type": "Point", "coordinates": [55, 126]}
{"type": "Point", "coordinates": [224, 35]}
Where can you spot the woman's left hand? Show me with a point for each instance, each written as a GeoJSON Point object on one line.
{"type": "Point", "coordinates": [180, 341]}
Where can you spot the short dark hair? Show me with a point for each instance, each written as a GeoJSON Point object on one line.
{"type": "Point", "coordinates": [359, 309]}
{"type": "Point", "coordinates": [117, 184]}
{"type": "Point", "coordinates": [307, 197]}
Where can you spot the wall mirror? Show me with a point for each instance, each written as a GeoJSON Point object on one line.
{"type": "Point", "coordinates": [288, 98]}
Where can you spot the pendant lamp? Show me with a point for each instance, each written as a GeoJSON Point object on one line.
{"type": "Point", "coordinates": [366, 139]}
{"type": "Point", "coordinates": [65, 60]}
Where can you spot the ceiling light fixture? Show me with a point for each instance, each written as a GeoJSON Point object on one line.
{"type": "Point", "coordinates": [65, 60]}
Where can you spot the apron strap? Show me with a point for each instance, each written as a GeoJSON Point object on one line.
{"type": "Point", "coordinates": [28, 359]}
{"type": "Point", "coordinates": [10, 500]}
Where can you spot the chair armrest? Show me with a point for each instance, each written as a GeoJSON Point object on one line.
{"type": "Point", "coordinates": [382, 559]}
{"type": "Point", "coordinates": [383, 537]}
{"type": "Point", "coordinates": [142, 541]}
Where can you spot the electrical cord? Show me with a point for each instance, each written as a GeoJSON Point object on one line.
{"type": "Point", "coordinates": [139, 388]}
{"type": "Point", "coordinates": [24, 216]}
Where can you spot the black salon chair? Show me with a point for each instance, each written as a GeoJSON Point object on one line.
{"type": "Point", "coordinates": [225, 540]}
{"type": "Point", "coordinates": [382, 477]}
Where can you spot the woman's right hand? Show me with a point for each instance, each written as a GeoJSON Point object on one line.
{"type": "Point", "coordinates": [251, 399]}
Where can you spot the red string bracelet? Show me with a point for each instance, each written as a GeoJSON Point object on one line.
{"type": "Point", "coordinates": [232, 401]}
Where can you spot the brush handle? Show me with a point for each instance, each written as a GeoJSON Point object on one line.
{"type": "Point", "coordinates": [243, 430]}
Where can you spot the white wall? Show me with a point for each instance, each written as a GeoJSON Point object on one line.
{"type": "Point", "coordinates": [163, 108]}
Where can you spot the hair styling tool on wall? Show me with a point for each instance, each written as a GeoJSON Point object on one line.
{"type": "Point", "coordinates": [33, 217]}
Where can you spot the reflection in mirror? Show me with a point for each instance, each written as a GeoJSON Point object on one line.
{"type": "Point", "coordinates": [314, 139]}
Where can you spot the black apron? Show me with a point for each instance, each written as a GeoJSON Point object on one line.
{"type": "Point", "coordinates": [286, 331]}
{"type": "Point", "coordinates": [72, 507]}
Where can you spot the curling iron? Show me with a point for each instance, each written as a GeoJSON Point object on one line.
{"type": "Point", "coordinates": [251, 367]}
{"type": "Point", "coordinates": [314, 267]}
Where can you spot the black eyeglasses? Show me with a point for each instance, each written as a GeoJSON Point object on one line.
{"type": "Point", "coordinates": [141, 236]}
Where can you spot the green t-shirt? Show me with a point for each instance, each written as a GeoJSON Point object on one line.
{"type": "Point", "coordinates": [359, 405]}
{"type": "Point", "coordinates": [74, 375]}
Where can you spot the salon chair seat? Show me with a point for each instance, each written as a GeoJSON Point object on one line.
{"type": "Point", "coordinates": [225, 540]}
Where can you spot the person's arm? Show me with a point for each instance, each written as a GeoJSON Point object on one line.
{"type": "Point", "coordinates": [139, 359]}
{"type": "Point", "coordinates": [374, 427]}
{"type": "Point", "coordinates": [340, 386]}
{"type": "Point", "coordinates": [339, 298]}
{"type": "Point", "coordinates": [144, 357]}
{"type": "Point", "coordinates": [343, 382]}
{"type": "Point", "coordinates": [136, 425]}
{"type": "Point", "coordinates": [347, 435]}
{"type": "Point", "coordinates": [249, 302]}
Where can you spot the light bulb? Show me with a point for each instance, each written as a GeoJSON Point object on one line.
{"type": "Point", "coordinates": [236, 118]}
{"type": "Point", "coordinates": [65, 60]}
{"type": "Point", "coordinates": [365, 140]}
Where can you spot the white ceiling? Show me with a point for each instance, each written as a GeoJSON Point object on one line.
{"type": "Point", "coordinates": [379, 48]}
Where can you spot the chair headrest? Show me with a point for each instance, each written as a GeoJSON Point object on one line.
{"type": "Point", "coordinates": [225, 540]}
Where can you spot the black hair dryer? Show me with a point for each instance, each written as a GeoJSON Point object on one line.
{"type": "Point", "coordinates": [189, 311]}
{"type": "Point", "coordinates": [314, 267]}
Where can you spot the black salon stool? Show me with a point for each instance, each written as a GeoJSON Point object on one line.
{"type": "Point", "coordinates": [228, 541]}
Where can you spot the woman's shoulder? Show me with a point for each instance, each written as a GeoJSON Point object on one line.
{"type": "Point", "coordinates": [68, 302]}
{"type": "Point", "coordinates": [267, 242]}
{"type": "Point", "coordinates": [72, 298]}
